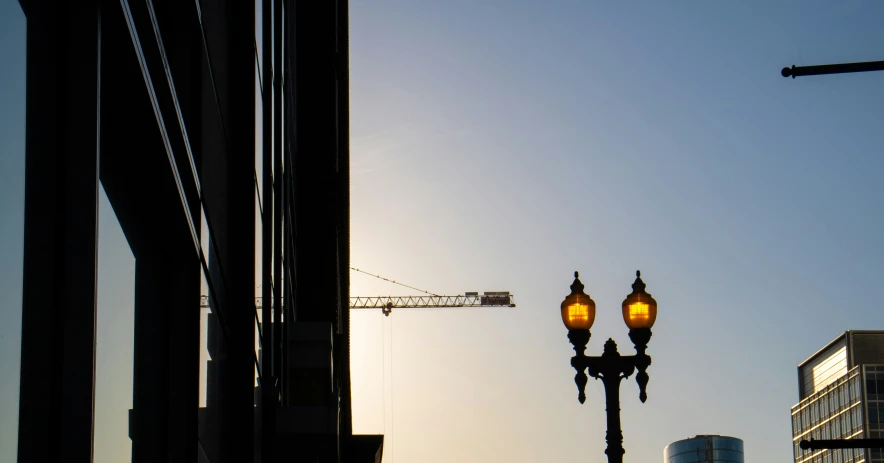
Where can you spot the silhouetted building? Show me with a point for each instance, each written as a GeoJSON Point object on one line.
{"type": "Point", "coordinates": [215, 153]}
{"type": "Point", "coordinates": [841, 396]}
{"type": "Point", "coordinates": [705, 449]}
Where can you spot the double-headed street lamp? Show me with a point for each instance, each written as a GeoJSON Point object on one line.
{"type": "Point", "coordinates": [639, 313]}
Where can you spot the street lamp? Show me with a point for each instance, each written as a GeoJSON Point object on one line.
{"type": "Point", "coordinates": [639, 314]}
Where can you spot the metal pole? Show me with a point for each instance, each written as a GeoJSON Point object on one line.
{"type": "Point", "coordinates": [820, 444]}
{"type": "Point", "coordinates": [614, 436]}
{"type": "Point", "coordinates": [842, 68]}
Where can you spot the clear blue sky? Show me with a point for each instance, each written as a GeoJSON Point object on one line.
{"type": "Point", "coordinates": [501, 145]}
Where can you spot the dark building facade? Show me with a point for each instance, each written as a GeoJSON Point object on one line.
{"type": "Point", "coordinates": [841, 396]}
{"type": "Point", "coordinates": [219, 132]}
{"type": "Point", "coordinates": [705, 449]}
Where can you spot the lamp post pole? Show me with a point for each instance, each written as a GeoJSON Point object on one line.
{"type": "Point", "coordinates": [822, 444]}
{"type": "Point", "coordinates": [842, 68]}
{"type": "Point", "coordinates": [639, 312]}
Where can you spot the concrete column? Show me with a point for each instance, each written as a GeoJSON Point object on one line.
{"type": "Point", "coordinates": [166, 372]}
{"type": "Point", "coordinates": [61, 198]}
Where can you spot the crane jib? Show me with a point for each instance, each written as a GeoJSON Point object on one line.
{"type": "Point", "coordinates": [500, 299]}
{"type": "Point", "coordinates": [487, 299]}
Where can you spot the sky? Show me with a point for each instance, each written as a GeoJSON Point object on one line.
{"type": "Point", "coordinates": [502, 145]}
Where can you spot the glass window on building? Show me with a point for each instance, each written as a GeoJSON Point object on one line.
{"type": "Point", "coordinates": [880, 421]}
{"type": "Point", "coordinates": [875, 386]}
{"type": "Point", "coordinates": [856, 390]}
{"type": "Point", "coordinates": [859, 417]}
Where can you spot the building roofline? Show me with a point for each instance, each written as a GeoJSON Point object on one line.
{"type": "Point", "coordinates": [701, 436]}
{"type": "Point", "coordinates": [841, 336]}
{"type": "Point", "coordinates": [829, 344]}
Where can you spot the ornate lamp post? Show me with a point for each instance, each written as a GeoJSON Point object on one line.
{"type": "Point", "coordinates": [639, 313]}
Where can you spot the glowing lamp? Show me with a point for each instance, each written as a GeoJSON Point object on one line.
{"type": "Point", "coordinates": [578, 309]}
{"type": "Point", "coordinates": [639, 308]}
{"type": "Point", "coordinates": [639, 313]}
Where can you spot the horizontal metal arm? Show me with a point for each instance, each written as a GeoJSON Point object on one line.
{"type": "Point", "coordinates": [841, 444]}
{"type": "Point", "coordinates": [411, 302]}
{"type": "Point", "coordinates": [402, 302]}
{"type": "Point", "coordinates": [842, 68]}
{"type": "Point", "coordinates": [622, 364]}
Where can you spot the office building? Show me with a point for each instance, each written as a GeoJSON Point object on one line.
{"type": "Point", "coordinates": [219, 131]}
{"type": "Point", "coordinates": [705, 449]}
{"type": "Point", "coordinates": [841, 396]}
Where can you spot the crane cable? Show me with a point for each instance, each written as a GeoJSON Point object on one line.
{"type": "Point", "coordinates": [395, 282]}
{"type": "Point", "coordinates": [388, 432]}
{"type": "Point", "coordinates": [384, 374]}
{"type": "Point", "coordinates": [392, 400]}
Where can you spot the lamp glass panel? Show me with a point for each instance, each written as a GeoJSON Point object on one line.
{"type": "Point", "coordinates": [638, 312]}
{"type": "Point", "coordinates": [578, 314]}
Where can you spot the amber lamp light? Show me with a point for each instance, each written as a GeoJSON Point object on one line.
{"type": "Point", "coordinates": [639, 308]}
{"type": "Point", "coordinates": [578, 309]}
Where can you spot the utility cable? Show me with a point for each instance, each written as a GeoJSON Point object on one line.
{"type": "Point", "coordinates": [395, 282]}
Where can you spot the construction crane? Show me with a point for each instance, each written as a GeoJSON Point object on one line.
{"type": "Point", "coordinates": [469, 299]}
{"type": "Point", "coordinates": [388, 303]}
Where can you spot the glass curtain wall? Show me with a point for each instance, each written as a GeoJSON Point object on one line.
{"type": "Point", "coordinates": [835, 412]}
{"type": "Point", "coordinates": [705, 449]}
{"type": "Point", "coordinates": [874, 390]}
